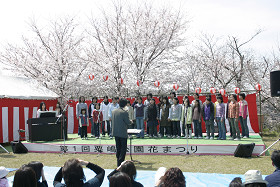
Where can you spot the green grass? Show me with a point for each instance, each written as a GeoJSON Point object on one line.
{"type": "Point", "coordinates": [192, 163]}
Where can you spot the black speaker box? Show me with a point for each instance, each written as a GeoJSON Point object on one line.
{"type": "Point", "coordinates": [275, 83]}
{"type": "Point", "coordinates": [244, 150]}
{"type": "Point", "coordinates": [18, 147]}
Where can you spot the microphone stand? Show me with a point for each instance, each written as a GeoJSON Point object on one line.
{"type": "Point", "coordinates": [63, 125]}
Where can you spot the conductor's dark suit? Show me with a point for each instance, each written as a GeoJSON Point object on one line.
{"type": "Point", "coordinates": [120, 121]}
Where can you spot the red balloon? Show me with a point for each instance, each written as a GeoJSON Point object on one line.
{"type": "Point", "coordinates": [198, 90]}
{"type": "Point", "coordinates": [258, 87]}
{"type": "Point", "coordinates": [91, 77]}
{"type": "Point", "coordinates": [156, 83]}
{"type": "Point", "coordinates": [237, 90]}
{"type": "Point", "coordinates": [212, 90]}
{"type": "Point", "coordinates": [105, 78]}
{"type": "Point", "coordinates": [121, 81]}
{"type": "Point", "coordinates": [175, 86]}
{"type": "Point", "coordinates": [222, 91]}
{"type": "Point", "coordinates": [139, 82]}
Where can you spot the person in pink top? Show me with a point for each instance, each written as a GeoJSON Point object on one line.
{"type": "Point", "coordinates": [233, 114]}
{"type": "Point", "coordinates": [243, 114]}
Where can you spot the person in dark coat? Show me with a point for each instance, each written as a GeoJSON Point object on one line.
{"type": "Point", "coordinates": [120, 122]}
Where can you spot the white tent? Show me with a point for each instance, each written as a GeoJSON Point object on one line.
{"type": "Point", "coordinates": [23, 88]}
{"type": "Point", "coordinates": [20, 98]}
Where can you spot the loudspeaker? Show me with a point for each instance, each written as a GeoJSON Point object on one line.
{"type": "Point", "coordinates": [275, 83]}
{"type": "Point", "coordinates": [244, 150]}
{"type": "Point", "coordinates": [18, 147]}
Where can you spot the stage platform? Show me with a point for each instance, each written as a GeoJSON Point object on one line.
{"type": "Point", "coordinates": [146, 146]}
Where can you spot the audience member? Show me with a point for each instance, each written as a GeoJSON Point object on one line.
{"type": "Point", "coordinates": [3, 180]}
{"type": "Point", "coordinates": [274, 178]}
{"type": "Point", "coordinates": [120, 179]}
{"type": "Point", "coordinates": [159, 174]}
{"type": "Point", "coordinates": [236, 182]}
{"type": "Point", "coordinates": [173, 177]}
{"type": "Point", "coordinates": [25, 177]}
{"type": "Point", "coordinates": [73, 174]}
{"type": "Point", "coordinates": [127, 167]}
{"type": "Point", "coordinates": [39, 172]}
{"type": "Point", "coordinates": [253, 178]}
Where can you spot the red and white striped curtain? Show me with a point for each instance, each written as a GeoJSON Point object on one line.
{"type": "Point", "coordinates": [14, 114]}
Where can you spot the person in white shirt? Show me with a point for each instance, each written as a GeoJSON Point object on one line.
{"type": "Point", "coordinates": [105, 105]}
{"type": "Point", "coordinates": [196, 97]}
{"type": "Point", "coordinates": [114, 105]}
{"type": "Point", "coordinates": [172, 96]}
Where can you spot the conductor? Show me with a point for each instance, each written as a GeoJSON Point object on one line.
{"type": "Point", "coordinates": [120, 121]}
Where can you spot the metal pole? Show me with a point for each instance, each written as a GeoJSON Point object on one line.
{"type": "Point", "coordinates": [269, 147]}
{"type": "Point", "coordinates": [260, 121]}
{"type": "Point", "coordinates": [4, 149]}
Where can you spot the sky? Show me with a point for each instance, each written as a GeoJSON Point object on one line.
{"type": "Point", "coordinates": [222, 18]}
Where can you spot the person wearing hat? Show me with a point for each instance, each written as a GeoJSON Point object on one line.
{"type": "Point", "coordinates": [274, 178]}
{"type": "Point", "coordinates": [3, 180]}
{"type": "Point", "coordinates": [253, 178]}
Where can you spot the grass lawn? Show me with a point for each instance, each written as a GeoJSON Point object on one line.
{"type": "Point", "coordinates": [191, 163]}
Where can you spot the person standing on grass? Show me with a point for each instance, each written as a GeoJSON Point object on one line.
{"type": "Point", "coordinates": [196, 97]}
{"type": "Point", "coordinates": [175, 117]}
{"type": "Point", "coordinates": [147, 104]}
{"type": "Point", "coordinates": [217, 95]}
{"type": "Point", "coordinates": [230, 126]}
{"type": "Point", "coordinates": [139, 115]}
{"type": "Point", "coordinates": [97, 117]}
{"type": "Point", "coordinates": [165, 124]}
{"type": "Point", "coordinates": [208, 117]}
{"type": "Point", "coordinates": [120, 122]}
{"type": "Point", "coordinates": [90, 109]}
{"type": "Point", "coordinates": [196, 117]}
{"type": "Point", "coordinates": [113, 106]}
{"type": "Point", "coordinates": [186, 117]}
{"type": "Point", "coordinates": [105, 111]}
{"type": "Point", "coordinates": [152, 118]}
{"type": "Point", "coordinates": [233, 114]}
{"type": "Point", "coordinates": [83, 123]}
{"type": "Point", "coordinates": [220, 118]}
{"type": "Point", "coordinates": [81, 104]}
{"type": "Point", "coordinates": [172, 96]}
{"type": "Point", "coordinates": [274, 178]}
{"type": "Point", "coordinates": [130, 112]}
{"type": "Point", "coordinates": [147, 101]}
{"type": "Point", "coordinates": [243, 114]}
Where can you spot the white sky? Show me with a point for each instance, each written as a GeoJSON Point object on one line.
{"type": "Point", "coordinates": [239, 18]}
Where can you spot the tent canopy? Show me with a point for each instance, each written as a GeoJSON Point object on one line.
{"type": "Point", "coordinates": [23, 88]}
